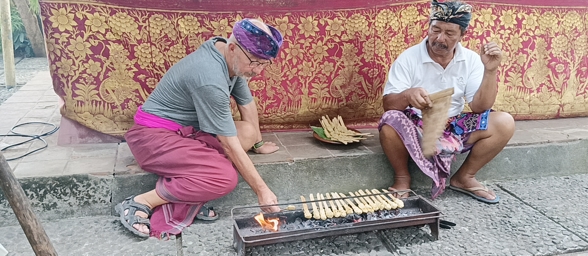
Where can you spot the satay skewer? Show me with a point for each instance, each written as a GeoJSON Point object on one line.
{"type": "Point", "coordinates": [398, 202]}
{"type": "Point", "coordinates": [375, 204]}
{"type": "Point", "coordinates": [328, 210]}
{"type": "Point", "coordinates": [383, 197]}
{"type": "Point", "coordinates": [383, 204]}
{"type": "Point", "coordinates": [341, 203]}
{"type": "Point", "coordinates": [336, 211]}
{"type": "Point", "coordinates": [305, 208]}
{"type": "Point", "coordinates": [356, 209]}
{"type": "Point", "coordinates": [362, 206]}
{"type": "Point", "coordinates": [315, 212]}
{"type": "Point", "coordinates": [321, 209]}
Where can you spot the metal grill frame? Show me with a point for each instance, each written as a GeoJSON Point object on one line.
{"type": "Point", "coordinates": [430, 216]}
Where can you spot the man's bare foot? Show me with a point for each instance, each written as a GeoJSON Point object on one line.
{"type": "Point", "coordinates": [400, 184]}
{"type": "Point", "coordinates": [399, 193]}
{"type": "Point", "coordinates": [267, 148]}
{"type": "Point", "coordinates": [468, 184]}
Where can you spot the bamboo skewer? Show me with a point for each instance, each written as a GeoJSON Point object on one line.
{"type": "Point", "coordinates": [336, 211]}
{"type": "Point", "coordinates": [328, 210]}
{"type": "Point", "coordinates": [315, 212]}
{"type": "Point", "coordinates": [362, 206]}
{"type": "Point", "coordinates": [356, 209]}
{"type": "Point", "coordinates": [375, 204]}
{"type": "Point", "coordinates": [321, 209]}
{"type": "Point", "coordinates": [383, 204]}
{"type": "Point", "coordinates": [391, 203]}
{"type": "Point", "coordinates": [398, 202]}
{"type": "Point", "coordinates": [341, 203]}
{"type": "Point", "coordinates": [305, 207]}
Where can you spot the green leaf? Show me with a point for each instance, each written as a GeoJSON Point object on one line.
{"type": "Point", "coordinates": [320, 131]}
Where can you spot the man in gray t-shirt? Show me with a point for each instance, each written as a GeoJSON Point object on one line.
{"type": "Point", "coordinates": [196, 92]}
{"type": "Point", "coordinates": [185, 133]}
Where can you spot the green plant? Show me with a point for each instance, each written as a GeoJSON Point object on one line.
{"type": "Point", "coordinates": [21, 44]}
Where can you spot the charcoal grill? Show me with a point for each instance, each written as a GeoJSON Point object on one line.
{"type": "Point", "coordinates": [247, 232]}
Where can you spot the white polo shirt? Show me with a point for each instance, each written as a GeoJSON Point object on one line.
{"type": "Point", "coordinates": [415, 68]}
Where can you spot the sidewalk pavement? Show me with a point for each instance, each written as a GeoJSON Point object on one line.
{"type": "Point", "coordinates": [542, 213]}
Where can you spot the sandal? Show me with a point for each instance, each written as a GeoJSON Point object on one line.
{"type": "Point", "coordinates": [130, 218]}
{"type": "Point", "coordinates": [400, 194]}
{"type": "Point", "coordinates": [204, 214]}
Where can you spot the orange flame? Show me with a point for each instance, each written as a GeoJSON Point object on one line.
{"type": "Point", "coordinates": [269, 224]}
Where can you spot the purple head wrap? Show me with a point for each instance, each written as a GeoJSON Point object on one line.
{"type": "Point", "coordinates": [257, 41]}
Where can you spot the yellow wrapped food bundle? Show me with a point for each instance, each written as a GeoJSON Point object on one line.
{"type": "Point", "coordinates": [336, 130]}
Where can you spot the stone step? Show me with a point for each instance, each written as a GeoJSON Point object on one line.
{"type": "Point", "coordinates": [348, 169]}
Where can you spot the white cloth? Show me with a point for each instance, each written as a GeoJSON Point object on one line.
{"type": "Point", "coordinates": [415, 68]}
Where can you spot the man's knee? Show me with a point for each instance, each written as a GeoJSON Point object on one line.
{"type": "Point", "coordinates": [388, 134]}
{"type": "Point", "coordinates": [503, 123]}
{"type": "Point", "coordinates": [247, 134]}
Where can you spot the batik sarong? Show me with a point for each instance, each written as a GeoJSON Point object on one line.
{"type": "Point", "coordinates": [409, 125]}
{"type": "Point", "coordinates": [192, 168]}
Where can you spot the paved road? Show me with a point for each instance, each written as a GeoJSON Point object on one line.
{"type": "Point", "coordinates": [543, 216]}
{"type": "Point", "coordinates": [26, 69]}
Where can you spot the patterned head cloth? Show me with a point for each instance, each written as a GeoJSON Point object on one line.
{"type": "Point", "coordinates": [452, 11]}
{"type": "Point", "coordinates": [257, 41]}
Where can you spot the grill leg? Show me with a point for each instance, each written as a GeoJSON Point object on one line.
{"type": "Point", "coordinates": [179, 246]}
{"type": "Point", "coordinates": [435, 229]}
{"type": "Point", "coordinates": [238, 243]}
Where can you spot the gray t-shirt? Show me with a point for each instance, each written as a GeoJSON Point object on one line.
{"type": "Point", "coordinates": [196, 92]}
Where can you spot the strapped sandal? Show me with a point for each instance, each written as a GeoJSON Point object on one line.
{"type": "Point", "coordinates": [204, 213]}
{"type": "Point", "coordinates": [130, 218]}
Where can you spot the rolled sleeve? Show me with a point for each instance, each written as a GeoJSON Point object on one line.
{"type": "Point", "coordinates": [398, 78]}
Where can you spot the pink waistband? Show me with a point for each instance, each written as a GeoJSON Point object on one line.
{"type": "Point", "coordinates": [153, 121]}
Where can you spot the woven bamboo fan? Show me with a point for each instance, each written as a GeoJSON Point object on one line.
{"type": "Point", "coordinates": [435, 120]}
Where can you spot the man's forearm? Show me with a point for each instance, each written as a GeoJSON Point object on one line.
{"type": "Point", "coordinates": [243, 164]}
{"type": "Point", "coordinates": [486, 94]}
{"type": "Point", "coordinates": [395, 101]}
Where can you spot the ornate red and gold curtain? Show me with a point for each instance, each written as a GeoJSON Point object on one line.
{"type": "Point", "coordinates": [107, 56]}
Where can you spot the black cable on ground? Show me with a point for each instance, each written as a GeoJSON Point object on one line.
{"type": "Point", "coordinates": [32, 138]}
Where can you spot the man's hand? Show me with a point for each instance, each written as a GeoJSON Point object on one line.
{"type": "Point", "coordinates": [266, 197]}
{"type": "Point", "coordinates": [267, 148]}
{"type": "Point", "coordinates": [491, 56]}
{"type": "Point", "coordinates": [418, 98]}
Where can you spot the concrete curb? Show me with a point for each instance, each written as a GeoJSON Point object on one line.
{"type": "Point", "coordinates": [90, 195]}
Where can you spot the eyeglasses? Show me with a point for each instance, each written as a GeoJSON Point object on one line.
{"type": "Point", "coordinates": [254, 63]}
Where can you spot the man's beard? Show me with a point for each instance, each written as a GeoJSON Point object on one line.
{"type": "Point", "coordinates": [238, 72]}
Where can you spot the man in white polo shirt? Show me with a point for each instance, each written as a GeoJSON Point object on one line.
{"type": "Point", "coordinates": [440, 62]}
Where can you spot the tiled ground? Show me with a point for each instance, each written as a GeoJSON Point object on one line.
{"type": "Point", "coordinates": [36, 102]}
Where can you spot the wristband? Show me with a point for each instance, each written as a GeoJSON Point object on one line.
{"type": "Point", "coordinates": [258, 145]}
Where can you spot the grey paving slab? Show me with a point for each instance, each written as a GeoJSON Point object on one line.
{"type": "Point", "coordinates": [296, 138]}
{"type": "Point", "coordinates": [354, 149]}
{"type": "Point", "coordinates": [562, 199]}
{"type": "Point", "coordinates": [509, 228]}
{"type": "Point", "coordinates": [45, 168]}
{"type": "Point", "coordinates": [100, 150]}
{"type": "Point", "coordinates": [93, 165]}
{"type": "Point", "coordinates": [306, 152]}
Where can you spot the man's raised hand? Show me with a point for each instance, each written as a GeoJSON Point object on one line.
{"type": "Point", "coordinates": [491, 56]}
